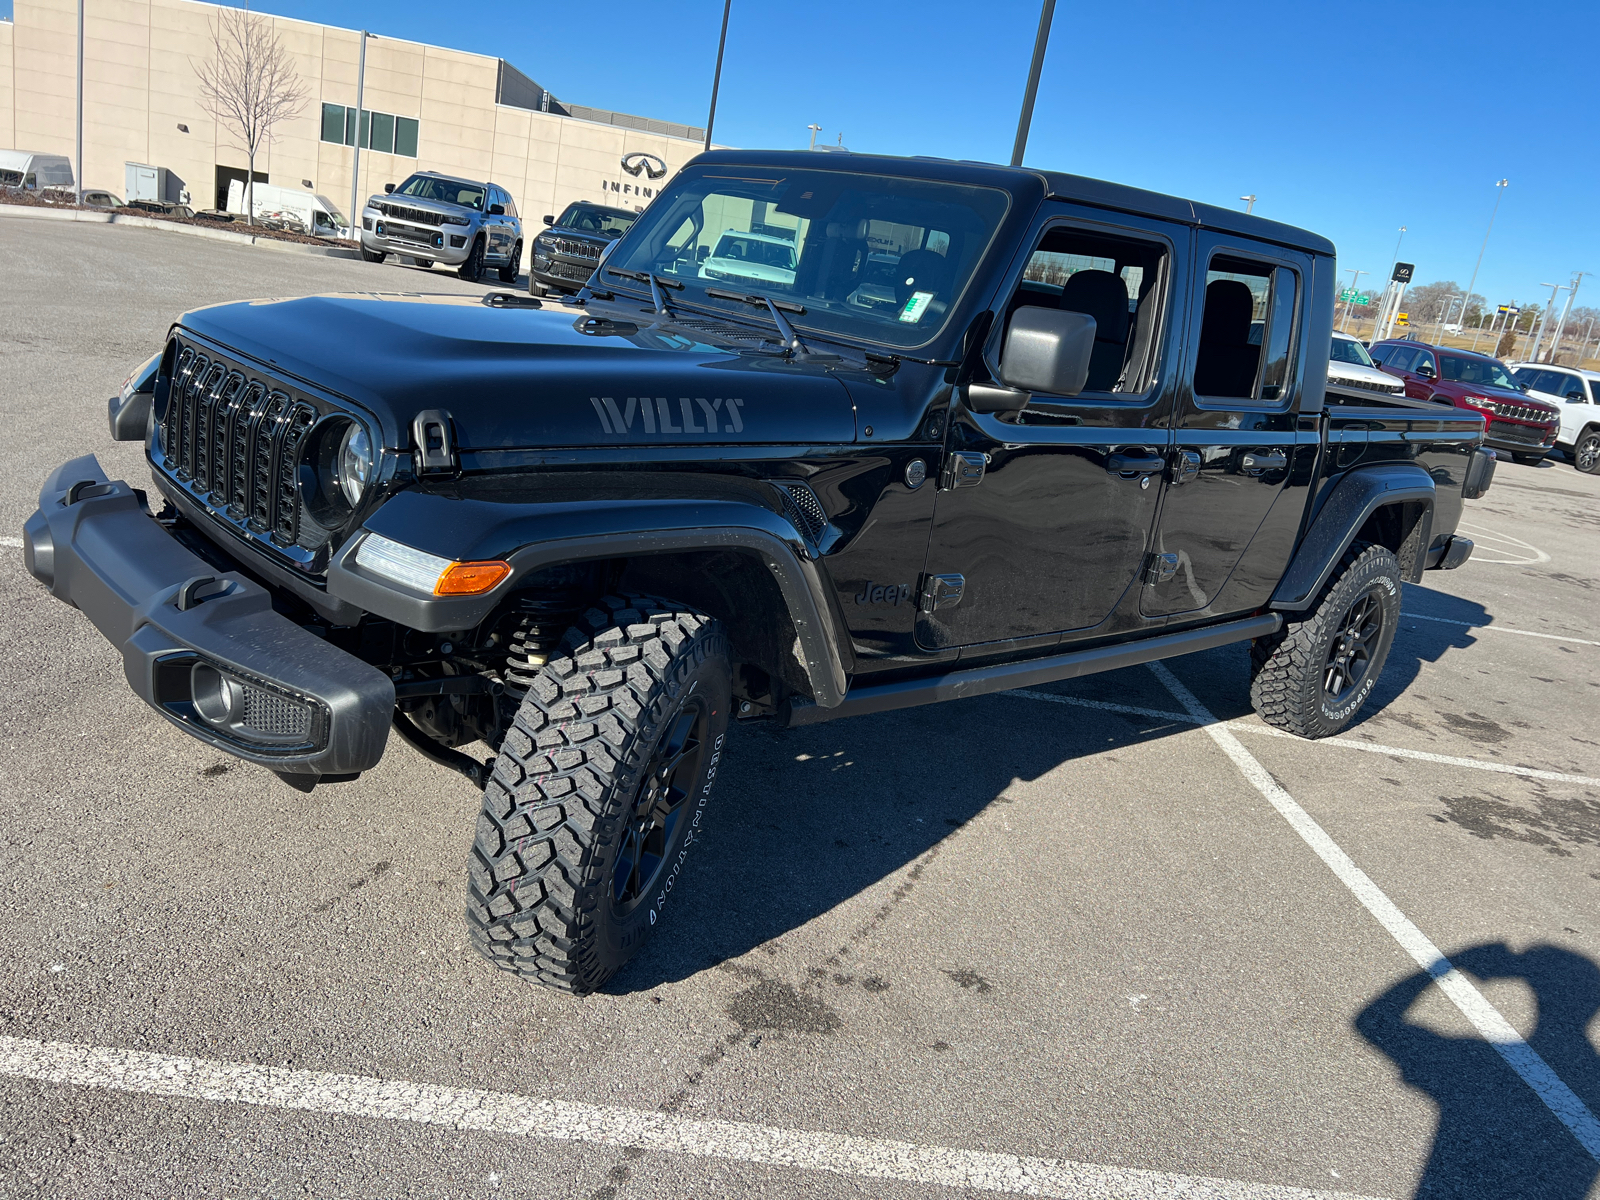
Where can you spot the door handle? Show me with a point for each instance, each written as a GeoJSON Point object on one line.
{"type": "Point", "coordinates": [1258, 462]}
{"type": "Point", "coordinates": [1135, 463]}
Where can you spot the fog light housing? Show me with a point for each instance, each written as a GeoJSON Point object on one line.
{"type": "Point", "coordinates": [438, 240]}
{"type": "Point", "coordinates": [379, 229]}
{"type": "Point", "coordinates": [240, 709]}
{"type": "Point", "coordinates": [457, 241]}
{"type": "Point", "coordinates": [428, 573]}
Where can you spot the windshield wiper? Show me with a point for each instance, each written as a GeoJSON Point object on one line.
{"type": "Point", "coordinates": [657, 296]}
{"type": "Point", "coordinates": [776, 307]}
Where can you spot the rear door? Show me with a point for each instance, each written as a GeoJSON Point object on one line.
{"type": "Point", "coordinates": [1236, 439]}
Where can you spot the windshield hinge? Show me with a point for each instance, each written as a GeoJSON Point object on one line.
{"type": "Point", "coordinates": [434, 443]}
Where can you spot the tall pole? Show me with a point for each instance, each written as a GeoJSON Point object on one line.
{"type": "Point", "coordinates": [1350, 304]}
{"type": "Point", "coordinates": [1249, 203]}
{"type": "Point", "coordinates": [716, 77]}
{"type": "Point", "coordinates": [1396, 257]}
{"type": "Point", "coordinates": [1544, 319]}
{"type": "Point", "coordinates": [1047, 13]}
{"type": "Point", "coordinates": [1572, 294]}
{"type": "Point", "coordinates": [355, 169]}
{"type": "Point", "coordinates": [77, 165]}
{"type": "Point", "coordinates": [1499, 193]}
{"type": "Point", "coordinates": [815, 129]}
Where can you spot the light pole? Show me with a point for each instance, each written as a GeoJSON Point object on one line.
{"type": "Point", "coordinates": [815, 129]}
{"type": "Point", "coordinates": [1444, 316]}
{"type": "Point", "coordinates": [77, 166]}
{"type": "Point", "coordinates": [1572, 294]}
{"type": "Point", "coordinates": [1349, 304]}
{"type": "Point", "coordinates": [1544, 319]}
{"type": "Point", "coordinates": [355, 169]}
{"type": "Point", "coordinates": [1047, 12]}
{"type": "Point", "coordinates": [1249, 202]}
{"type": "Point", "coordinates": [1499, 193]}
{"type": "Point", "coordinates": [716, 78]}
{"type": "Point", "coordinates": [1397, 242]}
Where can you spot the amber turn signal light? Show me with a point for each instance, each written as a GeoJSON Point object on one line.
{"type": "Point", "coordinates": [471, 578]}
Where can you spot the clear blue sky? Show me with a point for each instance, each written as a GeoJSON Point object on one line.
{"type": "Point", "coordinates": [1350, 120]}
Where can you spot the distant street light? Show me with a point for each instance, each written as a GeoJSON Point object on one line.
{"type": "Point", "coordinates": [716, 78]}
{"type": "Point", "coordinates": [1047, 12]}
{"type": "Point", "coordinates": [1499, 194]}
{"type": "Point", "coordinates": [1249, 202]}
{"type": "Point", "coordinates": [1396, 257]}
{"type": "Point", "coordinates": [1572, 294]}
{"type": "Point", "coordinates": [815, 129]}
{"type": "Point", "coordinates": [1544, 319]}
{"type": "Point", "coordinates": [1350, 304]}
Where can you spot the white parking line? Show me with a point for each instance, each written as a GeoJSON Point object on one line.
{"type": "Point", "coordinates": [1450, 760]}
{"type": "Point", "coordinates": [559, 1120]}
{"type": "Point", "coordinates": [1512, 551]}
{"type": "Point", "coordinates": [1554, 637]}
{"type": "Point", "coordinates": [11, 543]}
{"type": "Point", "coordinates": [1486, 1019]}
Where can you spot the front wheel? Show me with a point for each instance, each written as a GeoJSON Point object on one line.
{"type": "Point", "coordinates": [599, 792]}
{"type": "Point", "coordinates": [372, 256]}
{"type": "Point", "coordinates": [473, 266]}
{"type": "Point", "coordinates": [1313, 676]}
{"type": "Point", "coordinates": [1586, 452]}
{"type": "Point", "coordinates": [1528, 460]}
{"type": "Point", "coordinates": [508, 273]}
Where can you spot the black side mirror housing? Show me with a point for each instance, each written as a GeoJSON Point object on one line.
{"type": "Point", "coordinates": [1048, 350]}
{"type": "Point", "coordinates": [1425, 371]}
{"type": "Point", "coordinates": [497, 210]}
{"type": "Point", "coordinates": [388, 189]}
{"type": "Point", "coordinates": [549, 220]}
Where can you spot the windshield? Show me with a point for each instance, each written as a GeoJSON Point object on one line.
{"type": "Point", "coordinates": [10, 178]}
{"type": "Point", "coordinates": [588, 218]}
{"type": "Point", "coordinates": [1486, 371]}
{"type": "Point", "coordinates": [445, 191]}
{"type": "Point", "coordinates": [867, 256]}
{"type": "Point", "coordinates": [1347, 351]}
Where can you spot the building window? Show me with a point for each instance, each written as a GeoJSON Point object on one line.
{"type": "Point", "coordinates": [378, 131]}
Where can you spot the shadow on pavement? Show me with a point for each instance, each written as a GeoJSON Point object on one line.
{"type": "Point", "coordinates": [1495, 1137]}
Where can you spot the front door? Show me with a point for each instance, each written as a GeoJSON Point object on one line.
{"type": "Point", "coordinates": [1236, 435]}
{"type": "Point", "coordinates": [1044, 515]}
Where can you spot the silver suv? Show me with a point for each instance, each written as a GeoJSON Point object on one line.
{"type": "Point", "coordinates": [438, 218]}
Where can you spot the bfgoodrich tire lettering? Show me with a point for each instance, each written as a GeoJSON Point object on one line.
{"type": "Point", "coordinates": [584, 792]}
{"type": "Point", "coordinates": [1313, 676]}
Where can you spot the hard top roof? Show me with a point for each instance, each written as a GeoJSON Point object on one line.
{"type": "Point", "coordinates": [1058, 185]}
{"type": "Point", "coordinates": [1421, 345]}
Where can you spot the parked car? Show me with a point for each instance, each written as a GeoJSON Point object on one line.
{"type": "Point", "coordinates": [741, 256]}
{"type": "Point", "coordinates": [566, 254]}
{"type": "Point", "coordinates": [449, 517]}
{"type": "Point", "coordinates": [289, 208]}
{"type": "Point", "coordinates": [433, 218]}
{"type": "Point", "coordinates": [1520, 425]}
{"type": "Point", "coordinates": [1576, 395]}
{"type": "Point", "coordinates": [97, 198]}
{"type": "Point", "coordinates": [32, 172]}
{"type": "Point", "coordinates": [1350, 366]}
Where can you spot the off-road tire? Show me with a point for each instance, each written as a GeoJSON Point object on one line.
{"type": "Point", "coordinates": [472, 268]}
{"type": "Point", "coordinates": [1586, 451]}
{"type": "Point", "coordinates": [372, 256]}
{"type": "Point", "coordinates": [508, 273]}
{"type": "Point", "coordinates": [1289, 669]}
{"type": "Point", "coordinates": [542, 888]}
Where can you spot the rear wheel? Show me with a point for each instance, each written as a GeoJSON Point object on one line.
{"type": "Point", "coordinates": [1313, 676]}
{"type": "Point", "coordinates": [508, 273]}
{"type": "Point", "coordinates": [473, 267]}
{"type": "Point", "coordinates": [1586, 452]}
{"type": "Point", "coordinates": [599, 791]}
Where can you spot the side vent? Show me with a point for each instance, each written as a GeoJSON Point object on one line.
{"type": "Point", "coordinates": [801, 506]}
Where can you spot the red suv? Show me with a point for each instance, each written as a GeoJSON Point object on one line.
{"type": "Point", "coordinates": [1518, 424]}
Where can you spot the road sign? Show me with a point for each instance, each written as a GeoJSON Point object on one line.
{"type": "Point", "coordinates": [1403, 272]}
{"type": "Point", "coordinates": [1400, 318]}
{"type": "Point", "coordinates": [1507, 308]}
{"type": "Point", "coordinates": [1351, 296]}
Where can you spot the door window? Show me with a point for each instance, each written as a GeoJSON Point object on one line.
{"type": "Point", "coordinates": [1111, 278]}
{"type": "Point", "coordinates": [1400, 358]}
{"type": "Point", "coordinates": [1247, 331]}
{"type": "Point", "coordinates": [1425, 359]}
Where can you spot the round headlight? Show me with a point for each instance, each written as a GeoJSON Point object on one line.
{"type": "Point", "coordinates": [355, 463]}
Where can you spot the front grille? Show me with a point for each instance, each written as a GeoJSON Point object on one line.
{"type": "Point", "coordinates": [1522, 412]}
{"type": "Point", "coordinates": [572, 247]}
{"type": "Point", "coordinates": [419, 215]}
{"type": "Point", "coordinates": [563, 270]}
{"type": "Point", "coordinates": [418, 237]}
{"type": "Point", "coordinates": [1387, 389]}
{"type": "Point", "coordinates": [235, 440]}
{"type": "Point", "coordinates": [1505, 431]}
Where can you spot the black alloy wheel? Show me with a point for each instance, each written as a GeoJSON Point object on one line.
{"type": "Point", "coordinates": [659, 807]}
{"type": "Point", "coordinates": [472, 268]}
{"type": "Point", "coordinates": [1586, 453]}
{"type": "Point", "coordinates": [1350, 654]}
{"type": "Point", "coordinates": [508, 273]}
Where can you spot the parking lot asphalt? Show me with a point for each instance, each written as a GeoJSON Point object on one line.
{"type": "Point", "coordinates": [1061, 943]}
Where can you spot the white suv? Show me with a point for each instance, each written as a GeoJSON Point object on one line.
{"type": "Point", "coordinates": [1351, 366]}
{"type": "Point", "coordinates": [1577, 394]}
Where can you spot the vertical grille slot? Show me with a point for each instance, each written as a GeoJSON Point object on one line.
{"type": "Point", "coordinates": [186, 405]}
{"type": "Point", "coordinates": [241, 423]}
{"type": "Point", "coordinates": [286, 519]}
{"type": "Point", "coordinates": [263, 452]}
{"type": "Point", "coordinates": [226, 399]}
{"type": "Point", "coordinates": [205, 407]}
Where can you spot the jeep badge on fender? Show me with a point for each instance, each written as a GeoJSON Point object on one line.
{"type": "Point", "coordinates": [587, 534]}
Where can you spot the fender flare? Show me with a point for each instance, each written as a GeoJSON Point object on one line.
{"type": "Point", "coordinates": [532, 536]}
{"type": "Point", "coordinates": [1353, 499]}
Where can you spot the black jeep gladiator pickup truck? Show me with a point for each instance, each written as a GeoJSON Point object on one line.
{"type": "Point", "coordinates": [982, 428]}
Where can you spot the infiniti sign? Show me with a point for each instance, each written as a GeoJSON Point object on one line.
{"type": "Point", "coordinates": [649, 164]}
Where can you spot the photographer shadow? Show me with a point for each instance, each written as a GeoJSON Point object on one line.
{"type": "Point", "coordinates": [1496, 1137]}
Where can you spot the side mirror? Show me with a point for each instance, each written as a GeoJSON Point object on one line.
{"type": "Point", "coordinates": [1425, 371]}
{"type": "Point", "coordinates": [702, 254]}
{"type": "Point", "coordinates": [1574, 397]}
{"type": "Point", "coordinates": [549, 220]}
{"type": "Point", "coordinates": [388, 189]}
{"type": "Point", "coordinates": [1048, 350]}
{"type": "Point", "coordinates": [497, 210]}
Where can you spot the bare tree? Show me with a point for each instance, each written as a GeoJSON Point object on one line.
{"type": "Point", "coordinates": [249, 84]}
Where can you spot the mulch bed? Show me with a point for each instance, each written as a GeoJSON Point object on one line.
{"type": "Point", "coordinates": [35, 200]}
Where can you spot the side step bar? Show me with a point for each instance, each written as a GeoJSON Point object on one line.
{"type": "Point", "coordinates": [1002, 677]}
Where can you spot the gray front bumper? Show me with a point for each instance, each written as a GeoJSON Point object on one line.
{"type": "Point", "coordinates": [104, 555]}
{"type": "Point", "coordinates": [446, 254]}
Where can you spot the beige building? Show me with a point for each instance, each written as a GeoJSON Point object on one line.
{"type": "Point", "coordinates": [426, 108]}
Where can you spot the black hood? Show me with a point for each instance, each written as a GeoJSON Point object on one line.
{"type": "Point", "coordinates": [521, 377]}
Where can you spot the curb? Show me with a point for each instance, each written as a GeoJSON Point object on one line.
{"type": "Point", "coordinates": [30, 212]}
